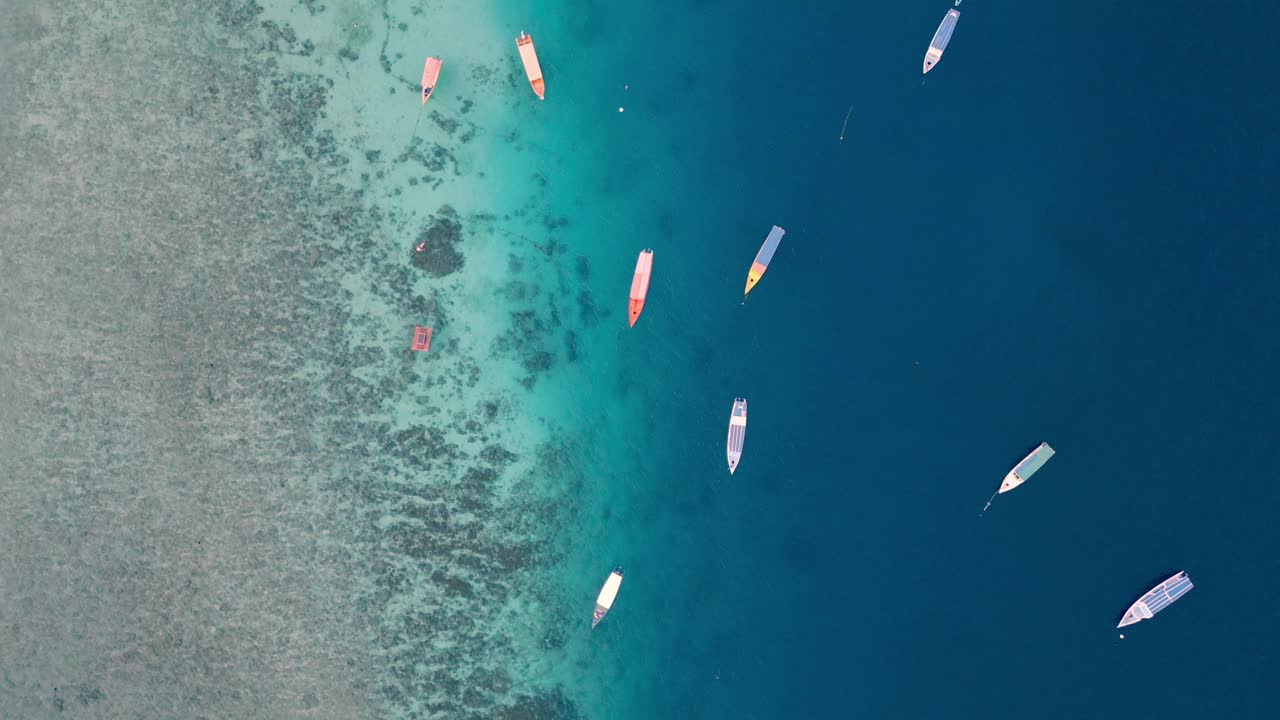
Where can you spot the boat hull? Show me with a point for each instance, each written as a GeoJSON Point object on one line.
{"type": "Point", "coordinates": [761, 263]}
{"type": "Point", "coordinates": [1157, 598]}
{"type": "Point", "coordinates": [753, 276]}
{"type": "Point", "coordinates": [421, 339]}
{"type": "Point", "coordinates": [931, 58]}
{"type": "Point", "coordinates": [737, 433]}
{"type": "Point", "coordinates": [1027, 467]}
{"type": "Point", "coordinates": [608, 593]}
{"type": "Point", "coordinates": [941, 37]}
{"type": "Point", "coordinates": [639, 286]}
{"type": "Point", "coordinates": [430, 76]}
{"type": "Point", "coordinates": [529, 58]}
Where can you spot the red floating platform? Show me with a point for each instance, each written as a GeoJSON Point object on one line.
{"type": "Point", "coordinates": [421, 339]}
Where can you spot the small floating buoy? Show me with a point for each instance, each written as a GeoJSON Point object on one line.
{"type": "Point", "coordinates": [619, 109]}
{"type": "Point", "coordinates": [1121, 636]}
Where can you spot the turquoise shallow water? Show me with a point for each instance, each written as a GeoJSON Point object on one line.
{"type": "Point", "coordinates": [231, 490]}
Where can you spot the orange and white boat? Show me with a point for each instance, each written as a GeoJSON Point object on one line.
{"type": "Point", "coordinates": [430, 76]}
{"type": "Point", "coordinates": [640, 285]}
{"type": "Point", "coordinates": [529, 57]}
{"type": "Point", "coordinates": [761, 263]}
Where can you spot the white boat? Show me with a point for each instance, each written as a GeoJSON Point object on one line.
{"type": "Point", "coordinates": [940, 39]}
{"type": "Point", "coordinates": [1025, 469]}
{"type": "Point", "coordinates": [1157, 599]}
{"type": "Point", "coordinates": [605, 599]}
{"type": "Point", "coordinates": [737, 433]}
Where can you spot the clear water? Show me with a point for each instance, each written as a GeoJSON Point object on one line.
{"type": "Point", "coordinates": [230, 490]}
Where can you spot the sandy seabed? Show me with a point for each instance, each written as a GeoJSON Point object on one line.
{"type": "Point", "coordinates": [231, 489]}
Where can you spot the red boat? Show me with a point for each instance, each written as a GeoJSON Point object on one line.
{"type": "Point", "coordinates": [640, 285]}
{"type": "Point", "coordinates": [421, 339]}
{"type": "Point", "coordinates": [430, 76]}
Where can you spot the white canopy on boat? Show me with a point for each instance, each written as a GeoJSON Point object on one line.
{"type": "Point", "coordinates": [610, 590]}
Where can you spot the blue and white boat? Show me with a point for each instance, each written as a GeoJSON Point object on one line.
{"type": "Point", "coordinates": [940, 39]}
{"type": "Point", "coordinates": [1159, 598]}
{"type": "Point", "coordinates": [1025, 469]}
{"type": "Point", "coordinates": [737, 433]}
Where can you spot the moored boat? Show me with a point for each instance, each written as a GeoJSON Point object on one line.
{"type": "Point", "coordinates": [941, 37]}
{"type": "Point", "coordinates": [430, 76]}
{"type": "Point", "coordinates": [761, 263]}
{"type": "Point", "coordinates": [608, 593]}
{"type": "Point", "coordinates": [640, 285]}
{"type": "Point", "coordinates": [1157, 598]}
{"type": "Point", "coordinates": [529, 57]}
{"type": "Point", "coordinates": [1025, 469]}
{"type": "Point", "coordinates": [737, 433]}
{"type": "Point", "coordinates": [421, 339]}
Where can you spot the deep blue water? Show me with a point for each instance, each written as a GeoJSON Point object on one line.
{"type": "Point", "coordinates": [1070, 227]}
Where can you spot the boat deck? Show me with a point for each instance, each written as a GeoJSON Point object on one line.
{"type": "Point", "coordinates": [1157, 599]}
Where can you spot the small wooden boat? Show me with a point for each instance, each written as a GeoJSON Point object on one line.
{"type": "Point", "coordinates": [421, 339]}
{"type": "Point", "coordinates": [529, 57]}
{"type": "Point", "coordinates": [1157, 599]}
{"type": "Point", "coordinates": [640, 285]}
{"type": "Point", "coordinates": [761, 263]}
{"type": "Point", "coordinates": [1023, 470]}
{"type": "Point", "coordinates": [940, 39]}
{"type": "Point", "coordinates": [604, 600]}
{"type": "Point", "coordinates": [737, 433]}
{"type": "Point", "coordinates": [430, 76]}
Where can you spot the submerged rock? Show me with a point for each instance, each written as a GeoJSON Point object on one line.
{"type": "Point", "coordinates": [550, 706]}
{"type": "Point", "coordinates": [497, 455]}
{"type": "Point", "coordinates": [448, 124]}
{"type": "Point", "coordinates": [436, 249]}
